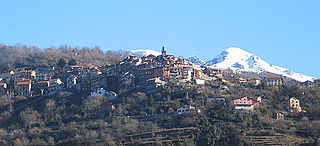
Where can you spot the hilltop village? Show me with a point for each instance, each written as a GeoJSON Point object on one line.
{"type": "Point", "coordinates": [147, 74]}
{"type": "Point", "coordinates": [163, 89]}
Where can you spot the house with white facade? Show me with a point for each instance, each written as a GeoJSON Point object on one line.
{"type": "Point", "coordinates": [187, 109]}
{"type": "Point", "coordinates": [99, 91]}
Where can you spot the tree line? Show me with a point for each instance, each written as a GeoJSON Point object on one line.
{"type": "Point", "coordinates": [22, 56]}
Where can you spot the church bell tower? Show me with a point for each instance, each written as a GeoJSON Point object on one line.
{"type": "Point", "coordinates": [164, 52]}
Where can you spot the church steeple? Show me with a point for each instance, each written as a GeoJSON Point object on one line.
{"type": "Point", "coordinates": [164, 52]}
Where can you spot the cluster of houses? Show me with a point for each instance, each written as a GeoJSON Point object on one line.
{"type": "Point", "coordinates": [27, 82]}
{"type": "Point", "coordinates": [48, 80]}
{"type": "Point", "coordinates": [269, 80]}
{"type": "Point", "coordinates": [310, 84]}
{"type": "Point", "coordinates": [149, 73]}
{"type": "Point", "coordinates": [152, 72]}
{"type": "Point", "coordinates": [288, 107]}
{"type": "Point", "coordinates": [278, 81]}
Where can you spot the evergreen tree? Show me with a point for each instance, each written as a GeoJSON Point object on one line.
{"type": "Point", "coordinates": [72, 62]}
{"type": "Point", "coordinates": [61, 63]}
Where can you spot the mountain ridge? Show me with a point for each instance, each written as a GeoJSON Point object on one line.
{"type": "Point", "coordinates": [240, 60]}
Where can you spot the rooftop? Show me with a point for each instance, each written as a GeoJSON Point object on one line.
{"type": "Point", "coordinates": [41, 82]}
{"type": "Point", "coordinates": [24, 83]}
{"type": "Point", "coordinates": [272, 77]}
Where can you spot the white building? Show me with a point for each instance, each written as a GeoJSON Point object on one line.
{"type": "Point", "coordinates": [99, 91]}
{"type": "Point", "coordinates": [200, 81]}
{"type": "Point", "coordinates": [111, 95]}
{"type": "Point", "coordinates": [186, 109]}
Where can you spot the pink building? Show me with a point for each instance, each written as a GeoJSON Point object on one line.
{"type": "Point", "coordinates": [245, 103]}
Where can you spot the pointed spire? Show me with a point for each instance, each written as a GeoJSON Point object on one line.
{"type": "Point", "coordinates": [164, 52]}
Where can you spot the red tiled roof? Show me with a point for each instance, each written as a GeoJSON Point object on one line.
{"type": "Point", "coordinates": [253, 79]}
{"type": "Point", "coordinates": [161, 68]}
{"type": "Point", "coordinates": [40, 82]}
{"type": "Point", "coordinates": [145, 68]}
{"type": "Point", "coordinates": [27, 80]}
{"type": "Point", "coordinates": [150, 58]}
{"type": "Point", "coordinates": [24, 83]}
{"type": "Point", "coordinates": [272, 78]}
{"type": "Point", "coordinates": [247, 99]}
{"type": "Point", "coordinates": [316, 79]}
{"type": "Point", "coordinates": [95, 70]}
{"type": "Point", "coordinates": [174, 68]}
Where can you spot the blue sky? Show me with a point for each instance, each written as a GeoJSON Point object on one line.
{"type": "Point", "coordinates": [282, 32]}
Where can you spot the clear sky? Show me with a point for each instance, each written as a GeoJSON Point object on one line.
{"type": "Point", "coordinates": [282, 32]}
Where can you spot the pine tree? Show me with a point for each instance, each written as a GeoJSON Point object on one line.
{"type": "Point", "coordinates": [61, 63]}
{"type": "Point", "coordinates": [72, 62]}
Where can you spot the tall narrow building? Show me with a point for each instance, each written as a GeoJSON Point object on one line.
{"type": "Point", "coordinates": [164, 52]}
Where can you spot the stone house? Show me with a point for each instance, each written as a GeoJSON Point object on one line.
{"type": "Point", "coordinates": [23, 88]}
{"type": "Point", "coordinates": [254, 81]}
{"type": "Point", "coordinates": [71, 81]}
{"type": "Point", "coordinates": [187, 109]}
{"type": "Point", "coordinates": [3, 88]}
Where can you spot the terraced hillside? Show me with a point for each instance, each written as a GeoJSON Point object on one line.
{"type": "Point", "coordinates": [277, 139]}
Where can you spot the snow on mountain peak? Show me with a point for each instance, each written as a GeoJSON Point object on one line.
{"type": "Point", "coordinates": [236, 50]}
{"type": "Point", "coordinates": [196, 60]}
{"type": "Point", "coordinates": [240, 60]}
{"type": "Point", "coordinates": [145, 52]}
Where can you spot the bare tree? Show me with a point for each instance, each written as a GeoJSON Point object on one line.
{"type": "Point", "coordinates": [31, 117]}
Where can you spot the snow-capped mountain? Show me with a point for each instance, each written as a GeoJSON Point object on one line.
{"type": "Point", "coordinates": [240, 60]}
{"type": "Point", "coordinates": [196, 60]}
{"type": "Point", "coordinates": [145, 52]}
